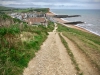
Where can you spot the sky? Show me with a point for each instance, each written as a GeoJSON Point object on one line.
{"type": "Point", "coordinates": [53, 4]}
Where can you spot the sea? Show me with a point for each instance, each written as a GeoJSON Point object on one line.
{"type": "Point", "coordinates": [90, 17]}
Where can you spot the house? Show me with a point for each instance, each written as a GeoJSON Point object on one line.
{"type": "Point", "coordinates": [36, 21]}
{"type": "Point", "coordinates": [24, 15]}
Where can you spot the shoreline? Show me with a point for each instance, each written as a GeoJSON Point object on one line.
{"type": "Point", "coordinates": [62, 21]}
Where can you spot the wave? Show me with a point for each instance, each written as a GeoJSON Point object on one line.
{"type": "Point", "coordinates": [85, 26]}
{"type": "Point", "coordinates": [65, 20]}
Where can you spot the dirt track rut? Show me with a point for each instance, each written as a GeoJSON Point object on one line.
{"type": "Point", "coordinates": [84, 64]}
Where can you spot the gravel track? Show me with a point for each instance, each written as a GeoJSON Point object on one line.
{"type": "Point", "coordinates": [53, 59]}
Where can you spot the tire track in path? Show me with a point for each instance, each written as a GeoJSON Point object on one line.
{"type": "Point", "coordinates": [84, 64]}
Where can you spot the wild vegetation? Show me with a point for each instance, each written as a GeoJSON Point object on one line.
{"type": "Point", "coordinates": [87, 42]}
{"type": "Point", "coordinates": [18, 44]}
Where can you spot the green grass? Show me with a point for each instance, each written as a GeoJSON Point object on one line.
{"type": "Point", "coordinates": [10, 9]}
{"type": "Point", "coordinates": [16, 53]}
{"type": "Point", "coordinates": [87, 42]}
{"type": "Point", "coordinates": [44, 10]}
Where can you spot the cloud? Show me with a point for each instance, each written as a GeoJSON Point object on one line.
{"type": "Point", "coordinates": [96, 0]}
{"type": "Point", "coordinates": [7, 2]}
{"type": "Point", "coordinates": [81, 4]}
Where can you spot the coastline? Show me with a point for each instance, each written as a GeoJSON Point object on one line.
{"type": "Point", "coordinates": [62, 21]}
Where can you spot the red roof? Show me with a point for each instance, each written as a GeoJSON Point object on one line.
{"type": "Point", "coordinates": [35, 20]}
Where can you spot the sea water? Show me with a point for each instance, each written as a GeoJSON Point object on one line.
{"type": "Point", "coordinates": [91, 17]}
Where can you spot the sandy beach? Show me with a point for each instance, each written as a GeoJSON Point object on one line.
{"type": "Point", "coordinates": [61, 21]}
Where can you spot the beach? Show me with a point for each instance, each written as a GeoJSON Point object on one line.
{"type": "Point", "coordinates": [62, 21]}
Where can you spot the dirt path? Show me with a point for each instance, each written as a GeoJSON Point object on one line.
{"type": "Point", "coordinates": [52, 59]}
{"type": "Point", "coordinates": [84, 64]}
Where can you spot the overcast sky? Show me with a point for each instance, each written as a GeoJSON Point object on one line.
{"type": "Point", "coordinates": [56, 4]}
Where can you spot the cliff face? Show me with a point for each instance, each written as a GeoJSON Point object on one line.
{"type": "Point", "coordinates": [5, 20]}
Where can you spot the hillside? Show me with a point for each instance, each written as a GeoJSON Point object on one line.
{"type": "Point", "coordinates": [10, 9]}
{"type": "Point", "coordinates": [3, 8]}
{"type": "Point", "coordinates": [18, 43]}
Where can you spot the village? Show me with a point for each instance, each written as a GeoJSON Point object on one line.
{"type": "Point", "coordinates": [41, 18]}
{"type": "Point", "coordinates": [33, 18]}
